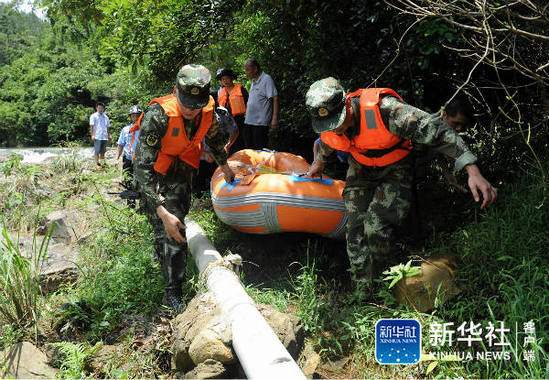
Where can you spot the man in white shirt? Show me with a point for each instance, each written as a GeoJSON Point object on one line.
{"type": "Point", "coordinates": [262, 107]}
{"type": "Point", "coordinates": [100, 135]}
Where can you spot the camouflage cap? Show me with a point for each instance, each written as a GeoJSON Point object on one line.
{"type": "Point", "coordinates": [193, 86]}
{"type": "Point", "coordinates": [325, 101]}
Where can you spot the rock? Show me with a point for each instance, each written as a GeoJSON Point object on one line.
{"type": "Point", "coordinates": [25, 361]}
{"type": "Point", "coordinates": [199, 312]}
{"type": "Point", "coordinates": [202, 333]}
{"type": "Point", "coordinates": [308, 361]}
{"type": "Point", "coordinates": [59, 267]}
{"type": "Point", "coordinates": [82, 240]}
{"type": "Point", "coordinates": [287, 327]}
{"type": "Point", "coordinates": [208, 345]}
{"type": "Point", "coordinates": [62, 230]}
{"type": "Point", "coordinates": [436, 278]}
{"type": "Point", "coordinates": [209, 369]}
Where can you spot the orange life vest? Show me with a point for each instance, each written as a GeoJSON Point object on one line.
{"type": "Point", "coordinates": [175, 143]}
{"type": "Point", "coordinates": [236, 100]}
{"type": "Point", "coordinates": [374, 145]}
{"type": "Point", "coordinates": [136, 126]}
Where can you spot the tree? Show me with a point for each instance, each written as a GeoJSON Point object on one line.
{"type": "Point", "coordinates": [507, 44]}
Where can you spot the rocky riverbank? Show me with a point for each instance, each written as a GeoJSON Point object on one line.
{"type": "Point", "coordinates": [64, 206]}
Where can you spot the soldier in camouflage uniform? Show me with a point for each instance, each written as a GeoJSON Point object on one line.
{"type": "Point", "coordinates": [379, 179]}
{"type": "Point", "coordinates": [163, 177]}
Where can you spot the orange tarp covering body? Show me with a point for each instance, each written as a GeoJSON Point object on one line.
{"type": "Point", "coordinates": [270, 195]}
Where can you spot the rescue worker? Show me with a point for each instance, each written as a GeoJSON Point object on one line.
{"type": "Point", "coordinates": [168, 151]}
{"type": "Point", "coordinates": [378, 128]}
{"type": "Point", "coordinates": [233, 97]}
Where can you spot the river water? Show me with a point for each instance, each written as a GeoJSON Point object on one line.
{"type": "Point", "coordinates": [40, 155]}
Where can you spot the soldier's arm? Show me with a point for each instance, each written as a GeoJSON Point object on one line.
{"type": "Point", "coordinates": [411, 123]}
{"type": "Point", "coordinates": [421, 127]}
{"type": "Point", "coordinates": [153, 128]}
{"type": "Point", "coordinates": [216, 138]}
{"type": "Point", "coordinates": [324, 151]}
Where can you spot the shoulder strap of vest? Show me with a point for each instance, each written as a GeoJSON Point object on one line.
{"type": "Point", "coordinates": [371, 96]}
{"type": "Point", "coordinates": [161, 99]}
{"type": "Point", "coordinates": [355, 93]}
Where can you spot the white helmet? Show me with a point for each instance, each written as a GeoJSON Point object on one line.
{"type": "Point", "coordinates": [135, 109]}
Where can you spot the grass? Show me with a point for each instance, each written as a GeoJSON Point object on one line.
{"type": "Point", "coordinates": [20, 289]}
{"type": "Point", "coordinates": [119, 274]}
{"type": "Point", "coordinates": [503, 274]}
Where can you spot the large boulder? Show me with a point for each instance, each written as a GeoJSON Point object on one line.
{"type": "Point", "coordinates": [25, 361]}
{"type": "Point", "coordinates": [187, 325]}
{"type": "Point", "coordinates": [308, 361]}
{"type": "Point", "coordinates": [59, 267]}
{"type": "Point", "coordinates": [208, 344]}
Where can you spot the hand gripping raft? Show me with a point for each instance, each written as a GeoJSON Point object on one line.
{"type": "Point", "coordinates": [270, 194]}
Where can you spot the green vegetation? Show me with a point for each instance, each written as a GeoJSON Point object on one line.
{"type": "Point", "coordinates": [126, 52]}
{"type": "Point", "coordinates": [20, 289]}
{"type": "Point", "coordinates": [75, 356]}
{"type": "Point", "coordinates": [123, 52]}
{"type": "Point", "coordinates": [503, 276]}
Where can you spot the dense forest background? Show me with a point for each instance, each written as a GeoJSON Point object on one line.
{"type": "Point", "coordinates": [124, 52]}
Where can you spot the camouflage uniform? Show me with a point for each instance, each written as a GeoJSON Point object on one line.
{"type": "Point", "coordinates": [378, 198]}
{"type": "Point", "coordinates": [173, 190]}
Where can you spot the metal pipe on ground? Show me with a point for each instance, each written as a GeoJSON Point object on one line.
{"type": "Point", "coordinates": [257, 347]}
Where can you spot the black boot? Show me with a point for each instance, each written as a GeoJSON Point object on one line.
{"type": "Point", "coordinates": [172, 299]}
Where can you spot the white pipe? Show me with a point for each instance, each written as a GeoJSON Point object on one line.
{"type": "Point", "coordinates": [259, 350]}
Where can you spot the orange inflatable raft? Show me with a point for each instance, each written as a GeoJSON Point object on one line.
{"type": "Point", "coordinates": [270, 195]}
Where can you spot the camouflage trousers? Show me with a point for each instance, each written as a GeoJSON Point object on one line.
{"type": "Point", "coordinates": [171, 255]}
{"type": "Point", "coordinates": [377, 200]}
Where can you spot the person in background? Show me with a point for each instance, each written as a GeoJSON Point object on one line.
{"type": "Point", "coordinates": [100, 135]}
{"type": "Point", "coordinates": [233, 97]}
{"type": "Point", "coordinates": [262, 107]}
{"type": "Point", "coordinates": [167, 153]}
{"type": "Point", "coordinates": [458, 115]}
{"type": "Point", "coordinates": [127, 142]}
